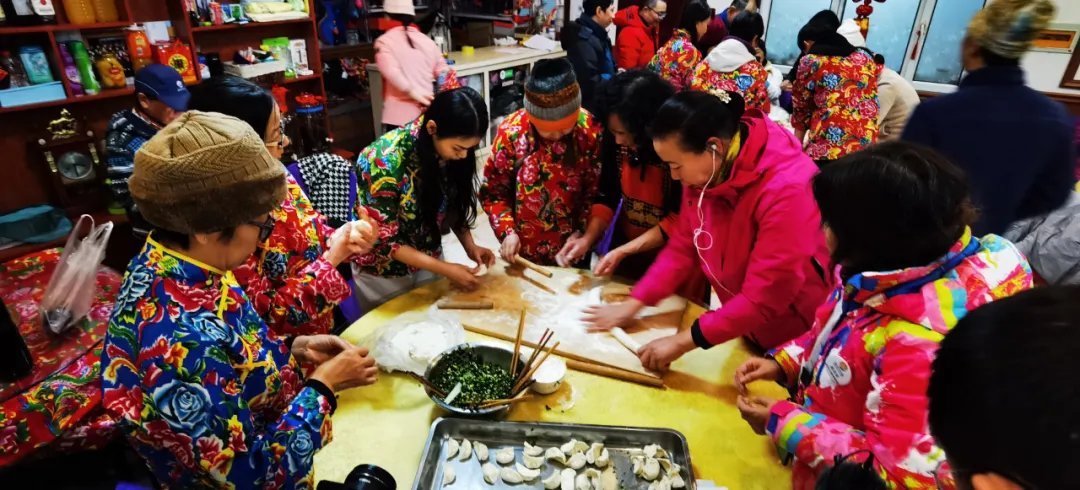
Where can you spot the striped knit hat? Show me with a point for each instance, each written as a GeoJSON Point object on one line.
{"type": "Point", "coordinates": [205, 172]}
{"type": "Point", "coordinates": [552, 95]}
{"type": "Point", "coordinates": [1008, 27]}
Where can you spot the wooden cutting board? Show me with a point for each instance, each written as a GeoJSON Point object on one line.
{"type": "Point", "coordinates": [557, 303]}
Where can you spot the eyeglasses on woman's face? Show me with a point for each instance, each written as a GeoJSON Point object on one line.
{"type": "Point", "coordinates": [266, 227]}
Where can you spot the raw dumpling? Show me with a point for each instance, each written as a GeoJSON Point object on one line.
{"type": "Point", "coordinates": [594, 478]}
{"type": "Point", "coordinates": [491, 473]}
{"type": "Point", "coordinates": [552, 482]}
{"type": "Point", "coordinates": [663, 484]}
{"type": "Point", "coordinates": [451, 448]}
{"type": "Point", "coordinates": [510, 475]}
{"type": "Point", "coordinates": [481, 451]}
{"type": "Point", "coordinates": [577, 461]}
{"type": "Point", "coordinates": [651, 469]}
{"type": "Point", "coordinates": [448, 475]}
{"type": "Point", "coordinates": [574, 446]}
{"type": "Point", "coordinates": [555, 454]}
{"type": "Point", "coordinates": [582, 482]}
{"type": "Point", "coordinates": [505, 455]}
{"type": "Point", "coordinates": [567, 479]}
{"type": "Point", "coordinates": [638, 463]}
{"type": "Point", "coordinates": [603, 459]}
{"type": "Point", "coordinates": [465, 452]}
{"type": "Point", "coordinates": [594, 452]}
{"type": "Point", "coordinates": [677, 482]}
{"type": "Point", "coordinates": [527, 474]}
{"type": "Point", "coordinates": [655, 451]}
{"type": "Point", "coordinates": [531, 450]}
{"type": "Point", "coordinates": [533, 462]}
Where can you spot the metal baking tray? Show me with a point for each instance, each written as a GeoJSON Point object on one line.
{"type": "Point", "coordinates": [498, 435]}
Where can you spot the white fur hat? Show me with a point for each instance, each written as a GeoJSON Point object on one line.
{"type": "Point", "coordinates": [851, 31]}
{"type": "Point", "coordinates": [403, 7]}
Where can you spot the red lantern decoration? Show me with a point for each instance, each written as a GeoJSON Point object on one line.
{"type": "Point", "coordinates": [863, 12]}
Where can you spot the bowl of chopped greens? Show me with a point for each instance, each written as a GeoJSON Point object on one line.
{"type": "Point", "coordinates": [470, 375]}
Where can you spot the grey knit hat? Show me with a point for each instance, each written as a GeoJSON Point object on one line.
{"type": "Point", "coordinates": [205, 172]}
{"type": "Point", "coordinates": [552, 94]}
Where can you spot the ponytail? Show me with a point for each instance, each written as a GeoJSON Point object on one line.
{"type": "Point", "coordinates": [406, 21]}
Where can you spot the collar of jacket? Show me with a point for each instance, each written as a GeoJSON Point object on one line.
{"type": "Point", "coordinates": [744, 170]}
{"type": "Point", "coordinates": [875, 288]}
{"type": "Point", "coordinates": [594, 28]}
{"type": "Point", "coordinates": [189, 271]}
{"type": "Point", "coordinates": [994, 75]}
{"type": "Point", "coordinates": [729, 55]}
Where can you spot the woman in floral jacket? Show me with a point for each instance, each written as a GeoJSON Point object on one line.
{"type": "Point", "coordinates": [675, 60]}
{"type": "Point", "coordinates": [205, 394]}
{"type": "Point", "coordinates": [418, 181]}
{"type": "Point", "coordinates": [541, 181]}
{"type": "Point", "coordinates": [910, 271]}
{"type": "Point", "coordinates": [735, 65]}
{"type": "Point", "coordinates": [292, 279]}
{"type": "Point", "coordinates": [834, 98]}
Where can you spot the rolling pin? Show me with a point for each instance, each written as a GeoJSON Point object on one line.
{"type": "Point", "coordinates": [625, 339]}
{"type": "Point", "coordinates": [610, 372]}
{"type": "Point", "coordinates": [454, 304]}
{"type": "Point", "coordinates": [526, 263]}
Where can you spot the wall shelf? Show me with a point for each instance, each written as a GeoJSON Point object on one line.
{"type": "Point", "coordinates": [249, 25]}
{"type": "Point", "coordinates": [65, 27]}
{"type": "Point", "coordinates": [105, 94]}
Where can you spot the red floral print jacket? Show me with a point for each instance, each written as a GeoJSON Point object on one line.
{"type": "Point", "coordinates": [835, 102]}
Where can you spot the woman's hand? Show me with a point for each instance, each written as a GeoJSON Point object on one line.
{"type": "Point", "coordinates": [350, 368]}
{"type": "Point", "coordinates": [610, 261]}
{"type": "Point", "coordinates": [755, 411]}
{"type": "Point", "coordinates": [602, 318]}
{"type": "Point", "coordinates": [422, 97]}
{"type": "Point", "coordinates": [660, 353]}
{"type": "Point", "coordinates": [576, 246]}
{"type": "Point", "coordinates": [480, 255]}
{"type": "Point", "coordinates": [754, 369]}
{"type": "Point", "coordinates": [317, 349]}
{"type": "Point", "coordinates": [339, 246]}
{"type": "Point", "coordinates": [510, 246]}
{"type": "Point", "coordinates": [462, 277]}
{"type": "Point", "coordinates": [364, 234]}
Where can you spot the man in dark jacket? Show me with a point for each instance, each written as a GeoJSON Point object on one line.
{"type": "Point", "coordinates": [588, 48]}
{"type": "Point", "coordinates": [639, 32]}
{"type": "Point", "coordinates": [1014, 143]}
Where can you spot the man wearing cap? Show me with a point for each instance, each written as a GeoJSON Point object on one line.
{"type": "Point", "coordinates": [1014, 143]}
{"type": "Point", "coordinates": [540, 183]}
{"type": "Point", "coordinates": [160, 97]}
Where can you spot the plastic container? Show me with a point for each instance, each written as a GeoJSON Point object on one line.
{"type": "Point", "coordinates": [36, 64]}
{"type": "Point", "coordinates": [105, 10]}
{"type": "Point", "coordinates": [71, 72]}
{"type": "Point", "coordinates": [80, 11]}
{"type": "Point", "coordinates": [85, 66]}
{"type": "Point", "coordinates": [33, 94]}
{"type": "Point", "coordinates": [138, 46]}
{"type": "Point", "coordinates": [110, 70]}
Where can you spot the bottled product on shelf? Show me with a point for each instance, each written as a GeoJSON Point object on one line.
{"type": "Point", "coordinates": [71, 72]}
{"type": "Point", "coordinates": [29, 12]}
{"type": "Point", "coordinates": [80, 11]}
{"type": "Point", "coordinates": [16, 74]}
{"type": "Point", "coordinates": [177, 55]}
{"type": "Point", "coordinates": [85, 66]}
{"type": "Point", "coordinates": [110, 70]}
{"type": "Point", "coordinates": [138, 48]}
{"type": "Point", "coordinates": [36, 64]}
{"type": "Point", "coordinates": [105, 10]}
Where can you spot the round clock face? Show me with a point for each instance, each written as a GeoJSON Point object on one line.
{"type": "Point", "coordinates": [74, 165]}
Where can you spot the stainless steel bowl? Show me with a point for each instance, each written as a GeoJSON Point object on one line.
{"type": "Point", "coordinates": [489, 353]}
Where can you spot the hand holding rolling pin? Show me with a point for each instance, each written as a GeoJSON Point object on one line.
{"type": "Point", "coordinates": [510, 246]}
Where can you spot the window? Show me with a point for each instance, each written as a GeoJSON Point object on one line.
{"type": "Point", "coordinates": [920, 39]}
{"type": "Point", "coordinates": [786, 17]}
{"type": "Point", "coordinates": [940, 60]}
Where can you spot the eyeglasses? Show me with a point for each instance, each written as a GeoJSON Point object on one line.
{"type": "Point", "coordinates": [266, 228]}
{"type": "Point", "coordinates": [659, 14]}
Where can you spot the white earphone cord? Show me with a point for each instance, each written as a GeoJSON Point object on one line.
{"type": "Point", "coordinates": [700, 231]}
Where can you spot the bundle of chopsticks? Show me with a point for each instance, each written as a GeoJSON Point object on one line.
{"type": "Point", "coordinates": [523, 379]}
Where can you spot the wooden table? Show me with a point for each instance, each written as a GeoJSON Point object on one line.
{"type": "Point", "coordinates": [387, 424]}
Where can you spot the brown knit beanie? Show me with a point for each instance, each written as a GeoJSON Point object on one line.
{"type": "Point", "coordinates": [552, 95]}
{"type": "Point", "coordinates": [205, 172]}
{"type": "Point", "coordinates": [1008, 27]}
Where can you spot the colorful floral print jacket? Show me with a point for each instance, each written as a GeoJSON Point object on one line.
{"type": "Point", "coordinates": [730, 67]}
{"type": "Point", "coordinates": [203, 393]}
{"type": "Point", "coordinates": [675, 61]}
{"type": "Point", "coordinates": [542, 190]}
{"type": "Point", "coordinates": [835, 101]}
{"type": "Point", "coordinates": [388, 172]}
{"type": "Point", "coordinates": [287, 280]}
{"type": "Point", "coordinates": [860, 380]}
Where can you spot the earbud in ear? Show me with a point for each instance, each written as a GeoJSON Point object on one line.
{"type": "Point", "coordinates": [713, 146]}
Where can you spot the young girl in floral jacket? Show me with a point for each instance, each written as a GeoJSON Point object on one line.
{"type": "Point", "coordinates": [735, 65]}
{"type": "Point", "coordinates": [541, 181]}
{"type": "Point", "coordinates": [675, 60]}
{"type": "Point", "coordinates": [910, 270]}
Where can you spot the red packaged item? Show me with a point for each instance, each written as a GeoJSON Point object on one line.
{"type": "Point", "coordinates": [177, 55]}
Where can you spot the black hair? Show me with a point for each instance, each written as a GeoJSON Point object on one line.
{"type": "Point", "coordinates": [696, 117]}
{"type": "Point", "coordinates": [819, 25]}
{"type": "Point", "coordinates": [850, 475]}
{"type": "Point", "coordinates": [892, 206]}
{"type": "Point", "coordinates": [695, 12]}
{"type": "Point", "coordinates": [747, 26]}
{"type": "Point", "coordinates": [237, 97]}
{"type": "Point", "coordinates": [457, 113]}
{"type": "Point", "coordinates": [406, 20]}
{"type": "Point", "coordinates": [183, 240]}
{"type": "Point", "coordinates": [1008, 365]}
{"type": "Point", "coordinates": [739, 5]}
{"type": "Point", "coordinates": [994, 59]}
{"type": "Point", "coordinates": [589, 6]}
{"type": "Point", "coordinates": [635, 97]}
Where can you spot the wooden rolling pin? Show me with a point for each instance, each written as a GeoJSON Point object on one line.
{"type": "Point", "coordinates": [526, 263]}
{"type": "Point", "coordinates": [610, 372]}
{"type": "Point", "coordinates": [457, 304]}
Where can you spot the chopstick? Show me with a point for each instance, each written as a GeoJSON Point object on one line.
{"type": "Point", "coordinates": [517, 346]}
{"type": "Point", "coordinates": [548, 334]}
{"type": "Point", "coordinates": [504, 401]}
{"type": "Point", "coordinates": [522, 382]}
{"type": "Point", "coordinates": [427, 384]}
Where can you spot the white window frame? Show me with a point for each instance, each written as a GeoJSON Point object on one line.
{"type": "Point", "coordinates": [923, 18]}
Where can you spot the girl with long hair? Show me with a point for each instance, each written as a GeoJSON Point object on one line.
{"type": "Point", "coordinates": [675, 60]}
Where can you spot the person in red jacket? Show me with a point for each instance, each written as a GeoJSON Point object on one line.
{"type": "Point", "coordinates": [639, 32]}
{"type": "Point", "coordinates": [748, 221]}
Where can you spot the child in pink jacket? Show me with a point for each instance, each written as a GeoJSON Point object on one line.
{"type": "Point", "coordinates": [897, 222]}
{"type": "Point", "coordinates": [748, 221]}
{"type": "Point", "coordinates": [411, 65]}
